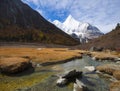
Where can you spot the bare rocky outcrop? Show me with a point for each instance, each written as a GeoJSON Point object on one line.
{"type": "Point", "coordinates": [14, 65]}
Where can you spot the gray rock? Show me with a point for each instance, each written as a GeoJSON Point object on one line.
{"type": "Point", "coordinates": [96, 49]}
{"type": "Point", "coordinates": [68, 77]}
{"type": "Point", "coordinates": [72, 74]}
{"type": "Point", "coordinates": [79, 86]}
{"type": "Point", "coordinates": [61, 81]}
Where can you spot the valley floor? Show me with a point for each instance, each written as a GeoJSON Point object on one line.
{"type": "Point", "coordinates": [40, 53]}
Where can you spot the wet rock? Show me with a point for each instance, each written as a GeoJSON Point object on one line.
{"type": "Point", "coordinates": [14, 65]}
{"type": "Point", "coordinates": [72, 74]}
{"type": "Point", "coordinates": [61, 81]}
{"type": "Point", "coordinates": [118, 60]}
{"type": "Point", "coordinates": [79, 86]}
{"type": "Point", "coordinates": [90, 68]}
{"type": "Point", "coordinates": [68, 77]}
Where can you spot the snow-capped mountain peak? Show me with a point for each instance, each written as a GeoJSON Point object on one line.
{"type": "Point", "coordinates": [69, 19]}
{"type": "Point", "coordinates": [78, 29]}
{"type": "Point", "coordinates": [70, 22]}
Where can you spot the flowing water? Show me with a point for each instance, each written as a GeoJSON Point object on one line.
{"type": "Point", "coordinates": [44, 79]}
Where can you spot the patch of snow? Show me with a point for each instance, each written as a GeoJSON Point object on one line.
{"type": "Point", "coordinates": [83, 30]}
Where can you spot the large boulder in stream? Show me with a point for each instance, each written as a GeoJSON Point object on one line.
{"type": "Point", "coordinates": [13, 65]}
{"type": "Point", "coordinates": [70, 76]}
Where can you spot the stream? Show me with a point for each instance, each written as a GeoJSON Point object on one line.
{"type": "Point", "coordinates": [44, 77]}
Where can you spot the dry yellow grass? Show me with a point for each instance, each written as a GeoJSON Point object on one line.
{"type": "Point", "coordinates": [105, 55]}
{"type": "Point", "coordinates": [51, 54]}
{"type": "Point", "coordinates": [40, 54]}
{"type": "Point", "coordinates": [13, 60]}
{"type": "Point", "coordinates": [116, 74]}
{"type": "Point", "coordinates": [115, 86]}
{"type": "Point", "coordinates": [109, 69]}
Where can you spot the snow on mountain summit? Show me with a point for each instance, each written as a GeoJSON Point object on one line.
{"type": "Point", "coordinates": [82, 31]}
{"type": "Point", "coordinates": [71, 22]}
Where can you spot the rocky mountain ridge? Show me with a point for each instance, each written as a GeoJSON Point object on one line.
{"type": "Point", "coordinates": [110, 41]}
{"type": "Point", "coordinates": [80, 30]}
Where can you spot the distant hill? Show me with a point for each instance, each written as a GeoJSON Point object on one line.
{"type": "Point", "coordinates": [20, 23]}
{"type": "Point", "coordinates": [110, 40]}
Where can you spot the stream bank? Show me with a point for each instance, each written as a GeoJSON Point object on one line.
{"type": "Point", "coordinates": [44, 77]}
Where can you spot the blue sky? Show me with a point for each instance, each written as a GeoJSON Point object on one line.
{"type": "Point", "coordinates": [104, 14]}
